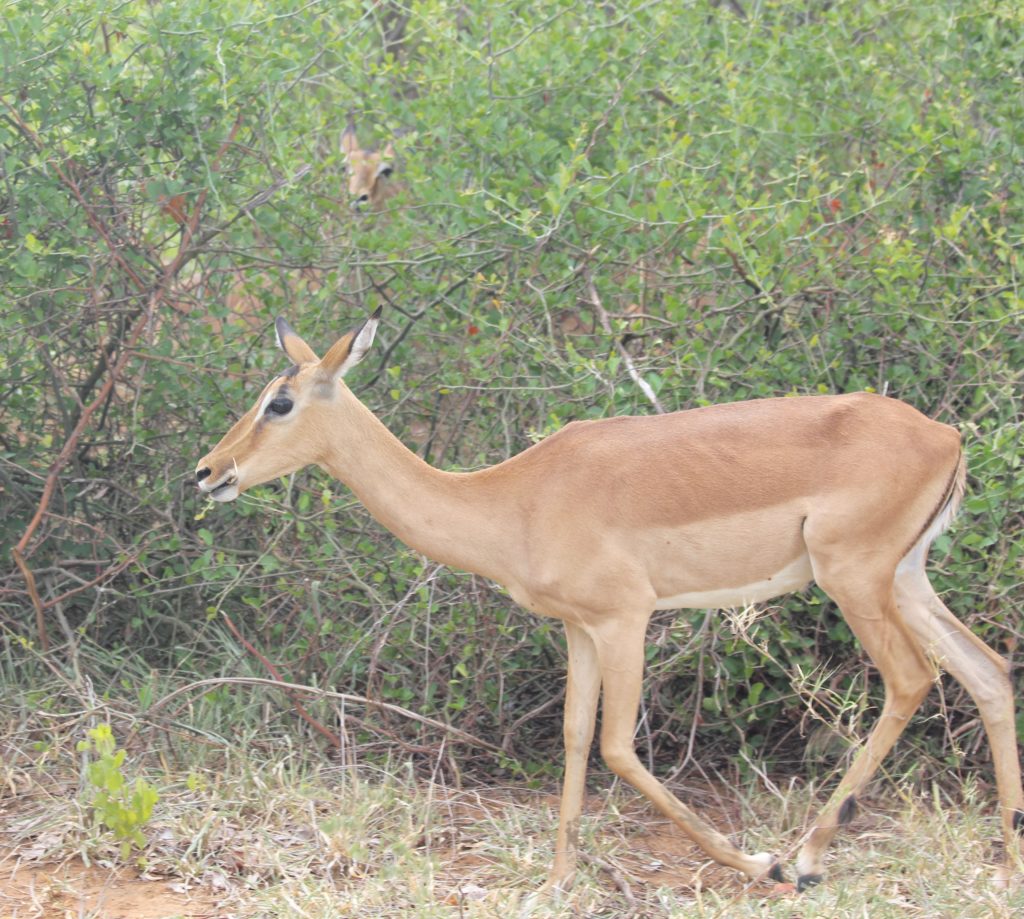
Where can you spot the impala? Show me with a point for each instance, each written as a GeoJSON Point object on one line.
{"type": "Point", "coordinates": [366, 170]}
{"type": "Point", "coordinates": [605, 521]}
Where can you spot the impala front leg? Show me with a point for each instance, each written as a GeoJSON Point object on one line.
{"type": "Point", "coordinates": [583, 685]}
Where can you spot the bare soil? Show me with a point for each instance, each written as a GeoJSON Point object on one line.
{"type": "Point", "coordinates": [73, 889]}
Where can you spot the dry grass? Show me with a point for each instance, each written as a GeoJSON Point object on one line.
{"type": "Point", "coordinates": [272, 831]}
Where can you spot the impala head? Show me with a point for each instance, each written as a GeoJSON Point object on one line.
{"type": "Point", "coordinates": [285, 429]}
{"type": "Point", "coordinates": [368, 172]}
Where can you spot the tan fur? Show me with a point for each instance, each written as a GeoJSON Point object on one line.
{"type": "Point", "coordinates": [368, 171]}
{"type": "Point", "coordinates": [604, 521]}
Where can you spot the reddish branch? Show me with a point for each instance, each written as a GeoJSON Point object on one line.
{"type": "Point", "coordinates": [273, 671]}
{"type": "Point", "coordinates": [63, 458]}
{"type": "Point", "coordinates": [66, 172]}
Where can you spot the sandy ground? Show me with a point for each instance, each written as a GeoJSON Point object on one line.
{"type": "Point", "coordinates": [31, 891]}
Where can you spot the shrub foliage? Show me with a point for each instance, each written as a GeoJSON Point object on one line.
{"type": "Point", "coordinates": [766, 198]}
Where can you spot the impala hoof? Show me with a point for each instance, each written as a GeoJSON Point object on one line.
{"type": "Point", "coordinates": [807, 880]}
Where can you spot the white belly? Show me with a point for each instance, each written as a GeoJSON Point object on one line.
{"type": "Point", "coordinates": [794, 576]}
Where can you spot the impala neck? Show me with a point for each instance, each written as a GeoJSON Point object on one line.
{"type": "Point", "coordinates": [446, 516]}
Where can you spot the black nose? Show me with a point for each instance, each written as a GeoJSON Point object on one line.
{"type": "Point", "coordinates": [201, 474]}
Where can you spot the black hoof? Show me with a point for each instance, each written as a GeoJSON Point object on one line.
{"type": "Point", "coordinates": [775, 873]}
{"type": "Point", "coordinates": [807, 880]}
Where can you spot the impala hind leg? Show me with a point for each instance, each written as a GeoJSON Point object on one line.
{"type": "Point", "coordinates": [870, 611]}
{"type": "Point", "coordinates": [985, 675]}
{"type": "Point", "coordinates": [582, 687]}
{"type": "Point", "coordinates": [620, 651]}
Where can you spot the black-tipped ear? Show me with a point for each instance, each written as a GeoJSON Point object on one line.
{"type": "Point", "coordinates": [292, 345]}
{"type": "Point", "coordinates": [350, 349]}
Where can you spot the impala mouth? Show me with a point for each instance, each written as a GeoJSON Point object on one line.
{"type": "Point", "coordinates": [226, 490]}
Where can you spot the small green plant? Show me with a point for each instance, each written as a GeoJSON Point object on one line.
{"type": "Point", "coordinates": [121, 810]}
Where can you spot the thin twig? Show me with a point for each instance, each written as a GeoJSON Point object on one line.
{"type": "Point", "coordinates": [617, 876]}
{"type": "Point", "coordinates": [348, 698]}
{"type": "Point", "coordinates": [104, 575]}
{"type": "Point", "coordinates": [602, 316]}
{"type": "Point", "coordinates": [415, 317]}
{"type": "Point", "coordinates": [741, 271]}
{"type": "Point", "coordinates": [334, 739]}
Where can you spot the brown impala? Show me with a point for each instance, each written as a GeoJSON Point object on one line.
{"type": "Point", "coordinates": [605, 521]}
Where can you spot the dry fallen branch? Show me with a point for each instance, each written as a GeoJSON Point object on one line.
{"type": "Point", "coordinates": [345, 697]}
{"type": "Point", "coordinates": [332, 738]}
{"type": "Point", "coordinates": [619, 877]}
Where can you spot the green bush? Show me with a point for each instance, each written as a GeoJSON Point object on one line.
{"type": "Point", "coordinates": [808, 198]}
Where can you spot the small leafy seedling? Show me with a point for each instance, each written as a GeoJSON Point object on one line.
{"type": "Point", "coordinates": [122, 810]}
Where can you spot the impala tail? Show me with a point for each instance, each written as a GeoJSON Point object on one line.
{"type": "Point", "coordinates": [940, 520]}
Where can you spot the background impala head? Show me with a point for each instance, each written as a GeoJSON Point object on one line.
{"type": "Point", "coordinates": [285, 429]}
{"type": "Point", "coordinates": [368, 172]}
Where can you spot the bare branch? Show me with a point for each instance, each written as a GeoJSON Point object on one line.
{"type": "Point", "coordinates": [348, 698]}
{"type": "Point", "coordinates": [602, 316]}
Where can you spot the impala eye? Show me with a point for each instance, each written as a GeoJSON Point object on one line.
{"type": "Point", "coordinates": [282, 405]}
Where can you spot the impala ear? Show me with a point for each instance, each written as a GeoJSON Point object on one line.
{"type": "Point", "coordinates": [386, 156]}
{"type": "Point", "coordinates": [288, 340]}
{"type": "Point", "coordinates": [349, 350]}
{"type": "Point", "coordinates": [349, 144]}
